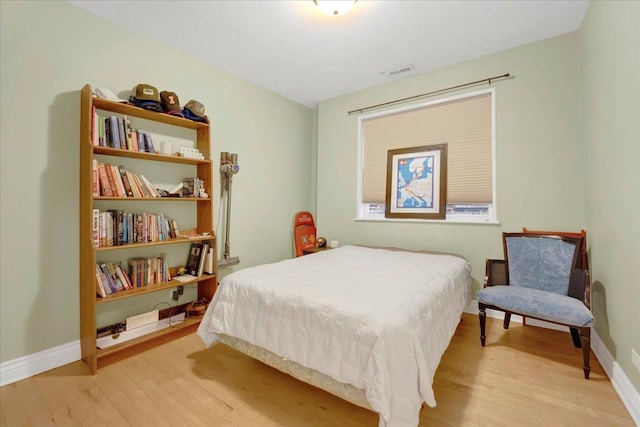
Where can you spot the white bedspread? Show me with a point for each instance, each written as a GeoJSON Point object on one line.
{"type": "Point", "coordinates": [377, 319]}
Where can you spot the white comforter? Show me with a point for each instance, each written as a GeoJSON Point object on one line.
{"type": "Point", "coordinates": [377, 319]}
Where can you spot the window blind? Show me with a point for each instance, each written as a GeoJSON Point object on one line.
{"type": "Point", "coordinates": [463, 124]}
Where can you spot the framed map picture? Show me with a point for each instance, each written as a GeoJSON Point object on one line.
{"type": "Point", "coordinates": [417, 182]}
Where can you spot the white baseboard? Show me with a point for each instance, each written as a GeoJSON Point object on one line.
{"type": "Point", "coordinates": [626, 391]}
{"type": "Point", "coordinates": [33, 364]}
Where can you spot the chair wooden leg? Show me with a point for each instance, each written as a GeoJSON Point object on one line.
{"type": "Point", "coordinates": [483, 321]}
{"type": "Point", "coordinates": [575, 336]}
{"type": "Point", "coordinates": [585, 337]}
{"type": "Point", "coordinates": [507, 319]}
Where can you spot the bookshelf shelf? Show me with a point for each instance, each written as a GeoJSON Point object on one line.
{"type": "Point", "coordinates": [89, 255]}
{"type": "Point", "coordinates": [155, 199]}
{"type": "Point", "coordinates": [158, 243]}
{"type": "Point", "coordinates": [117, 152]}
{"type": "Point", "coordinates": [188, 322]}
{"type": "Point", "coordinates": [151, 288]}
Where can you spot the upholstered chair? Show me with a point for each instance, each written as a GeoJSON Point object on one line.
{"type": "Point", "coordinates": [539, 278]}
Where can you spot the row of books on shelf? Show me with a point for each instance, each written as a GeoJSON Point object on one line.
{"type": "Point", "coordinates": [117, 132]}
{"type": "Point", "coordinates": [116, 181]}
{"type": "Point", "coordinates": [114, 227]}
{"type": "Point", "coordinates": [112, 277]}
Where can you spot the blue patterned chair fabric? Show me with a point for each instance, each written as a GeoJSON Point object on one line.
{"type": "Point", "coordinates": [539, 278]}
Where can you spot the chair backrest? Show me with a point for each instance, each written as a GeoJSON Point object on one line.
{"type": "Point", "coordinates": [304, 232]}
{"type": "Point", "coordinates": [540, 261]}
{"type": "Point", "coordinates": [584, 259]}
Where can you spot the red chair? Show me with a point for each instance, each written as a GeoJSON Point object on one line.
{"type": "Point", "coordinates": [304, 232]}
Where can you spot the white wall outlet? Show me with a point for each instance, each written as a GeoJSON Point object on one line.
{"type": "Point", "coordinates": [635, 359]}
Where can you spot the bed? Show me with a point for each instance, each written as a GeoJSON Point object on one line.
{"type": "Point", "coordinates": [367, 324]}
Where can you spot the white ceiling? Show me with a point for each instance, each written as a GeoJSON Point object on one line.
{"type": "Point", "coordinates": [292, 49]}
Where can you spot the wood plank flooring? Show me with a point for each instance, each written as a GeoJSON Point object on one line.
{"type": "Point", "coordinates": [526, 376]}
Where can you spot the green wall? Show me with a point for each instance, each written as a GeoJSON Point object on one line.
{"type": "Point", "coordinates": [610, 92]}
{"type": "Point", "coordinates": [49, 51]}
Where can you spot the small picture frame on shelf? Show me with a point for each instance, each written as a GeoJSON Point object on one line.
{"type": "Point", "coordinates": [189, 187]}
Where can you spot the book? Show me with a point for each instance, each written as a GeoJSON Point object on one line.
{"type": "Point", "coordinates": [134, 140]}
{"type": "Point", "coordinates": [113, 180]}
{"type": "Point", "coordinates": [123, 276]}
{"type": "Point", "coordinates": [105, 184]}
{"type": "Point", "coordinates": [108, 142]}
{"type": "Point", "coordinates": [193, 259]}
{"type": "Point", "coordinates": [108, 227]}
{"type": "Point", "coordinates": [108, 279]}
{"type": "Point", "coordinates": [95, 227]}
{"type": "Point", "coordinates": [152, 190]}
{"type": "Point", "coordinates": [122, 134]}
{"type": "Point", "coordinates": [95, 178]}
{"type": "Point", "coordinates": [150, 147]}
{"type": "Point", "coordinates": [134, 186]}
{"type": "Point", "coordinates": [208, 263]}
{"type": "Point", "coordinates": [94, 125]}
{"type": "Point", "coordinates": [100, 290]}
{"type": "Point", "coordinates": [101, 140]}
{"type": "Point", "coordinates": [203, 257]}
{"type": "Point", "coordinates": [117, 181]}
{"type": "Point", "coordinates": [114, 131]}
{"type": "Point", "coordinates": [125, 181]}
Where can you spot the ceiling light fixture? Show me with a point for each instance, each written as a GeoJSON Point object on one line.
{"type": "Point", "coordinates": [335, 7]}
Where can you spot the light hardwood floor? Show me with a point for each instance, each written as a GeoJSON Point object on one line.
{"type": "Point", "coordinates": [526, 376]}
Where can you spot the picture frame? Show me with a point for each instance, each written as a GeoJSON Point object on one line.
{"type": "Point", "coordinates": [417, 182]}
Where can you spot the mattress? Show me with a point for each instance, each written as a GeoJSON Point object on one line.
{"type": "Point", "coordinates": [375, 319]}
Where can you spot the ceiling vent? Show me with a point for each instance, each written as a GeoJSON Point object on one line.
{"type": "Point", "coordinates": [396, 73]}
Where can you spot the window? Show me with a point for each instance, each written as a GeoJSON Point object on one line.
{"type": "Point", "coordinates": [465, 123]}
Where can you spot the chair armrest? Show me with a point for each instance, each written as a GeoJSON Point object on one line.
{"type": "Point", "coordinates": [580, 286]}
{"type": "Point", "coordinates": [495, 272]}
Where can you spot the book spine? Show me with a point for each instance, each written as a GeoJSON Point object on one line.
{"type": "Point", "coordinates": [134, 140]}
{"type": "Point", "coordinates": [103, 228]}
{"type": "Point", "coordinates": [128, 133]}
{"type": "Point", "coordinates": [149, 143]}
{"type": "Point", "coordinates": [117, 181]}
{"type": "Point", "coordinates": [146, 182]}
{"type": "Point", "coordinates": [208, 264]}
{"type": "Point", "coordinates": [119, 229]}
{"type": "Point", "coordinates": [114, 131]}
{"type": "Point", "coordinates": [122, 134]}
{"type": "Point", "coordinates": [95, 178]}
{"type": "Point", "coordinates": [114, 276]}
{"type": "Point", "coordinates": [123, 276]}
{"type": "Point", "coordinates": [109, 229]}
{"type": "Point", "coordinates": [108, 278]}
{"type": "Point", "coordinates": [125, 181]}
{"type": "Point", "coordinates": [101, 139]}
{"type": "Point", "coordinates": [95, 227]}
{"type": "Point", "coordinates": [94, 126]}
{"type": "Point", "coordinates": [203, 257]}
{"type": "Point", "coordinates": [99, 285]}
{"type": "Point", "coordinates": [107, 133]}
{"type": "Point", "coordinates": [105, 184]}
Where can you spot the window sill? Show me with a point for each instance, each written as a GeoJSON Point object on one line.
{"type": "Point", "coordinates": [433, 221]}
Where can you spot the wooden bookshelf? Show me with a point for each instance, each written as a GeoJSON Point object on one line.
{"type": "Point", "coordinates": [89, 255]}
